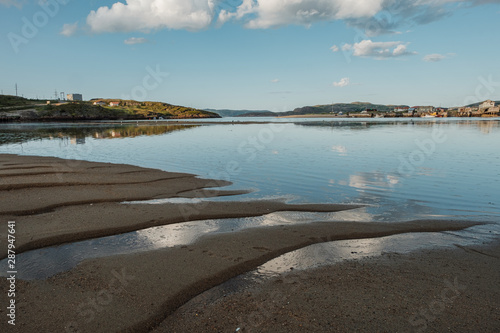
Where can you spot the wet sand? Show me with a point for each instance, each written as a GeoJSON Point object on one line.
{"type": "Point", "coordinates": [425, 291]}
{"type": "Point", "coordinates": [55, 201]}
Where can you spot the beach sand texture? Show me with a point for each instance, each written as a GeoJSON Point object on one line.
{"type": "Point", "coordinates": [56, 201]}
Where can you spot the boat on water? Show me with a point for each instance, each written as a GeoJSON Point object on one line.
{"type": "Point", "coordinates": [431, 115]}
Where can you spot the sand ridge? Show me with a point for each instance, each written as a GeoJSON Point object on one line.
{"type": "Point", "coordinates": [137, 292]}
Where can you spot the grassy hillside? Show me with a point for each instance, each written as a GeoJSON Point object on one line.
{"type": "Point", "coordinates": [11, 101]}
{"type": "Point", "coordinates": [18, 108]}
{"type": "Point", "coordinates": [6, 100]}
{"type": "Point", "coordinates": [82, 111]}
{"type": "Point", "coordinates": [156, 109]}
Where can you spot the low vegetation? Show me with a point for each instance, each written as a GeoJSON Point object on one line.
{"type": "Point", "coordinates": [18, 108]}
{"type": "Point", "coordinates": [9, 101]}
{"type": "Point", "coordinates": [156, 109]}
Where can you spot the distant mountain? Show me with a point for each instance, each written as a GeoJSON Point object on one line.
{"type": "Point", "coordinates": [308, 110]}
{"type": "Point", "coordinates": [341, 107]}
{"type": "Point", "coordinates": [260, 114]}
{"type": "Point", "coordinates": [241, 113]}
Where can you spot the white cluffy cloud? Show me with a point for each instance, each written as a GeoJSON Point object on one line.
{"type": "Point", "coordinates": [378, 50]}
{"type": "Point", "coordinates": [69, 30]}
{"type": "Point", "coordinates": [146, 15]}
{"type": "Point", "coordinates": [135, 40]}
{"type": "Point", "coordinates": [273, 13]}
{"type": "Point", "coordinates": [362, 14]}
{"type": "Point", "coordinates": [437, 57]}
{"type": "Point", "coordinates": [434, 57]}
{"type": "Point", "coordinates": [334, 48]}
{"type": "Point", "coordinates": [275, 80]}
{"type": "Point", "coordinates": [344, 82]}
{"type": "Point", "coordinates": [245, 8]}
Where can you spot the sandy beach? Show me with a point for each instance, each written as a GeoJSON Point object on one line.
{"type": "Point", "coordinates": [55, 201]}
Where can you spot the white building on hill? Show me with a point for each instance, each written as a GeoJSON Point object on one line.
{"type": "Point", "coordinates": [74, 97]}
{"type": "Point", "coordinates": [487, 104]}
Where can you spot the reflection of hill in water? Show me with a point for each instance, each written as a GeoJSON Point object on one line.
{"type": "Point", "coordinates": [24, 133]}
{"type": "Point", "coordinates": [133, 131]}
{"type": "Point", "coordinates": [485, 126]}
{"type": "Point", "coordinates": [360, 125]}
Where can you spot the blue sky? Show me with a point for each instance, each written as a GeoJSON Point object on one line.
{"type": "Point", "coordinates": [253, 54]}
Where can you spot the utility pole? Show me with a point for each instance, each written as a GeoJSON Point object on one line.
{"type": "Point", "coordinates": [56, 95]}
{"type": "Point", "coordinates": [16, 89]}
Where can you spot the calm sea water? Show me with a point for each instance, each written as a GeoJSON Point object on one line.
{"type": "Point", "coordinates": [402, 170]}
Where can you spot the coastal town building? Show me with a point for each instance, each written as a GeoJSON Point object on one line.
{"type": "Point", "coordinates": [74, 97]}
{"type": "Point", "coordinates": [493, 111]}
{"type": "Point", "coordinates": [486, 109]}
{"type": "Point", "coordinates": [114, 104]}
{"type": "Point", "coordinates": [487, 104]}
{"type": "Point", "coordinates": [424, 109]}
{"type": "Point", "coordinates": [100, 103]}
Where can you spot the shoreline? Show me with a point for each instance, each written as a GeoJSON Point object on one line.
{"type": "Point", "coordinates": [422, 291]}
{"type": "Point", "coordinates": [206, 121]}
{"type": "Point", "coordinates": [55, 201]}
{"type": "Point", "coordinates": [357, 116]}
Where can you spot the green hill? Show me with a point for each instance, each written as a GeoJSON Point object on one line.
{"type": "Point", "coordinates": [81, 111]}
{"type": "Point", "coordinates": [7, 101]}
{"type": "Point", "coordinates": [156, 109]}
{"type": "Point", "coordinates": [341, 107]}
{"type": "Point", "coordinates": [241, 113]}
{"type": "Point", "coordinates": [17, 108]}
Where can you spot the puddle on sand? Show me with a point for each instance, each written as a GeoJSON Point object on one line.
{"type": "Point", "coordinates": [326, 254]}
{"type": "Point", "coordinates": [333, 252]}
{"type": "Point", "coordinates": [45, 262]}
